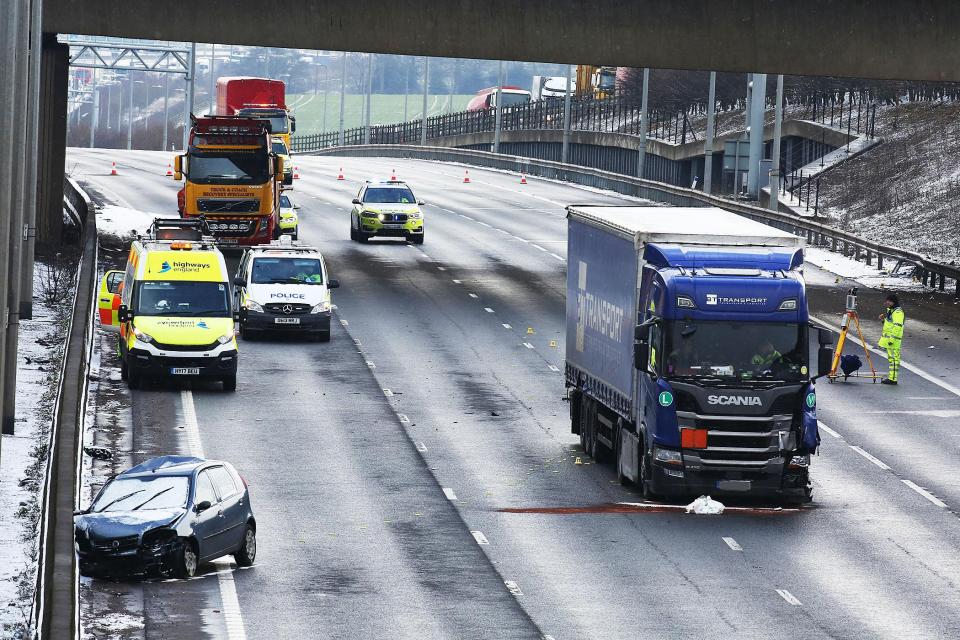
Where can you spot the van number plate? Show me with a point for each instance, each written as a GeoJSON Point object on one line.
{"type": "Point", "coordinates": [286, 320]}
{"type": "Point", "coordinates": [185, 371]}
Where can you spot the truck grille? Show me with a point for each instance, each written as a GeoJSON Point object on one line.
{"type": "Point", "coordinates": [227, 205]}
{"type": "Point", "coordinates": [186, 347]}
{"type": "Point", "coordinates": [394, 217]}
{"type": "Point", "coordinates": [739, 441]}
{"type": "Point", "coordinates": [287, 308]}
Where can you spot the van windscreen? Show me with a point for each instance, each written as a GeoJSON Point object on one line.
{"type": "Point", "coordinates": [181, 298]}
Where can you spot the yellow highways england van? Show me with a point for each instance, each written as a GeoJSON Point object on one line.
{"type": "Point", "coordinates": [174, 313]}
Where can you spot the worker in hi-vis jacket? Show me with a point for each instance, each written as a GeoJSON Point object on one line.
{"type": "Point", "coordinates": [892, 336]}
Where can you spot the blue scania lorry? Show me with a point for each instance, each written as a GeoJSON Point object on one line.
{"type": "Point", "coordinates": [690, 358]}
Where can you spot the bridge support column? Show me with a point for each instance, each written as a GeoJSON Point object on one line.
{"type": "Point", "coordinates": [775, 155]}
{"type": "Point", "coordinates": [757, 103]}
{"type": "Point", "coordinates": [644, 122]}
{"type": "Point", "coordinates": [708, 142]}
{"type": "Point", "coordinates": [51, 149]}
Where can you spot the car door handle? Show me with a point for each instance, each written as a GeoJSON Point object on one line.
{"type": "Point", "coordinates": [220, 513]}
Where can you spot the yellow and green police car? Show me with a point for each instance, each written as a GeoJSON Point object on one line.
{"type": "Point", "coordinates": [386, 209]}
{"type": "Point", "coordinates": [289, 220]}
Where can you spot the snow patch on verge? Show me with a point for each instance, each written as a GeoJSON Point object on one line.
{"type": "Point", "coordinates": [866, 275]}
{"type": "Point", "coordinates": [119, 225]}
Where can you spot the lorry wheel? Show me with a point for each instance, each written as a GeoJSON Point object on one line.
{"type": "Point", "coordinates": [646, 475]}
{"type": "Point", "coordinates": [230, 383]}
{"type": "Point", "coordinates": [622, 479]}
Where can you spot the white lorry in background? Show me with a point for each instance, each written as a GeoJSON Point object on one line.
{"type": "Point", "coordinates": [548, 87]}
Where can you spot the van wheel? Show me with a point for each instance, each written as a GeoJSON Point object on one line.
{"type": "Point", "coordinates": [124, 373]}
{"type": "Point", "coordinates": [230, 383]}
{"type": "Point", "coordinates": [322, 336]}
{"type": "Point", "coordinates": [134, 381]}
{"type": "Point", "coordinates": [362, 237]}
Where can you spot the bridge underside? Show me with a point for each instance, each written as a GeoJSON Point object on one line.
{"type": "Point", "coordinates": [860, 38]}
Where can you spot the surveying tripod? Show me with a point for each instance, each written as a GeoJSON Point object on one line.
{"type": "Point", "coordinates": [851, 316]}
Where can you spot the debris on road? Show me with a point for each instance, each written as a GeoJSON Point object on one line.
{"type": "Point", "coordinates": [705, 505]}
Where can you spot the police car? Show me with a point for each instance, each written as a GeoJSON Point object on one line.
{"type": "Point", "coordinates": [386, 209]}
{"type": "Point", "coordinates": [284, 286]}
{"type": "Point", "coordinates": [289, 220]}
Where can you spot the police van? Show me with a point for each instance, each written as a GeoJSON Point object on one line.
{"type": "Point", "coordinates": [172, 307]}
{"type": "Point", "coordinates": [284, 286]}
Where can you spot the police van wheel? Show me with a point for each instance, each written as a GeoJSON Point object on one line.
{"type": "Point", "coordinates": [230, 383]}
{"type": "Point", "coordinates": [362, 237]}
{"type": "Point", "coordinates": [134, 381]}
{"type": "Point", "coordinates": [322, 336]}
{"type": "Point", "coordinates": [123, 370]}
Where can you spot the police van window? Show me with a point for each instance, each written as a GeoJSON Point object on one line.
{"type": "Point", "coordinates": [204, 489]}
{"type": "Point", "coordinates": [286, 271]}
{"type": "Point", "coordinates": [223, 481]}
{"type": "Point", "coordinates": [182, 298]}
{"type": "Point", "coordinates": [389, 195]}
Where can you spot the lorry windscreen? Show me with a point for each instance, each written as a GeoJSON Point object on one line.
{"type": "Point", "coordinates": [736, 350]}
{"type": "Point", "coordinates": [513, 99]}
{"type": "Point", "coordinates": [608, 80]}
{"type": "Point", "coordinates": [182, 298]}
{"type": "Point", "coordinates": [228, 168]}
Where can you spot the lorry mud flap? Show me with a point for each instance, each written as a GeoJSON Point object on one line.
{"type": "Point", "coordinates": [605, 433]}
{"type": "Point", "coordinates": [575, 397]}
{"type": "Point", "coordinates": [629, 454]}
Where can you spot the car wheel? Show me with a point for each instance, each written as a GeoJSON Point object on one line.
{"type": "Point", "coordinates": [323, 336]}
{"type": "Point", "coordinates": [247, 333]}
{"type": "Point", "coordinates": [230, 383]}
{"type": "Point", "coordinates": [295, 235]}
{"type": "Point", "coordinates": [416, 239]}
{"type": "Point", "coordinates": [186, 560]}
{"type": "Point", "coordinates": [247, 552]}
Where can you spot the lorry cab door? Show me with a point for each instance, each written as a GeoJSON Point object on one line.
{"type": "Point", "coordinates": [647, 389]}
{"type": "Point", "coordinates": [108, 300]}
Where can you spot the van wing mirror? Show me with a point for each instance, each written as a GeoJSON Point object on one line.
{"type": "Point", "coordinates": [124, 314]}
{"type": "Point", "coordinates": [333, 284]}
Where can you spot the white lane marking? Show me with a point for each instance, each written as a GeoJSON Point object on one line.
{"type": "Point", "coordinates": [455, 281]}
{"type": "Point", "coordinates": [344, 322]}
{"type": "Point", "coordinates": [536, 246]}
{"type": "Point", "coordinates": [422, 448]}
{"type": "Point", "coordinates": [371, 365]}
{"type": "Point", "coordinates": [502, 231]}
{"type": "Point", "coordinates": [553, 368]}
{"type": "Point", "coordinates": [403, 418]}
{"type": "Point", "coordinates": [926, 494]}
{"type": "Point", "coordinates": [479, 537]}
{"type": "Point", "coordinates": [869, 457]}
{"type": "Point", "coordinates": [829, 430]}
{"type": "Point", "coordinates": [905, 365]}
{"type": "Point", "coordinates": [357, 342]}
{"type": "Point", "coordinates": [230, 604]}
{"type": "Point", "coordinates": [560, 258]}
{"type": "Point", "coordinates": [519, 238]}
{"type": "Point", "coordinates": [528, 345]}
{"type": "Point", "coordinates": [733, 544]}
{"type": "Point", "coordinates": [441, 268]}
{"type": "Point", "coordinates": [460, 214]}
{"type": "Point", "coordinates": [447, 491]}
{"type": "Point", "coordinates": [388, 392]}
{"type": "Point", "coordinates": [789, 597]}
{"type": "Point", "coordinates": [473, 295]}
{"type": "Point", "coordinates": [506, 326]}
{"type": "Point", "coordinates": [484, 224]}
{"type": "Point", "coordinates": [513, 587]}
{"type": "Point", "coordinates": [488, 309]}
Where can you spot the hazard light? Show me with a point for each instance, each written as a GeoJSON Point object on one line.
{"type": "Point", "coordinates": [183, 246]}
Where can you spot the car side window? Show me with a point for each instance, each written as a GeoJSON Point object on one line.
{"type": "Point", "coordinates": [205, 490]}
{"type": "Point", "coordinates": [222, 479]}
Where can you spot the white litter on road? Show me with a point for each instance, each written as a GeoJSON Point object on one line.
{"type": "Point", "coordinates": [705, 505]}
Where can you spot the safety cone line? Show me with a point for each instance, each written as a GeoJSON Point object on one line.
{"type": "Point", "coordinates": [466, 177]}
{"type": "Point", "coordinates": [523, 179]}
{"type": "Point", "coordinates": [169, 170]}
{"type": "Point", "coordinates": [340, 175]}
{"type": "Point", "coordinates": [113, 169]}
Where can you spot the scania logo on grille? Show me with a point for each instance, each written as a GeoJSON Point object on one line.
{"type": "Point", "coordinates": [745, 401]}
{"type": "Point", "coordinates": [287, 309]}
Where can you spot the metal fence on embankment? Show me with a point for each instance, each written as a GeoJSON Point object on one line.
{"type": "Point", "coordinates": [932, 274]}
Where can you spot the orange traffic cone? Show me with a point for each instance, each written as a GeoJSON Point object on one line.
{"type": "Point", "coordinates": [393, 175]}
{"type": "Point", "coordinates": [296, 173]}
{"type": "Point", "coordinates": [523, 179]}
{"type": "Point", "coordinates": [113, 169]}
{"type": "Point", "coordinates": [466, 177]}
{"type": "Point", "coordinates": [169, 170]}
{"type": "Point", "coordinates": [340, 175]}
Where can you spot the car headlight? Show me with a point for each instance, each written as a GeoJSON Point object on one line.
{"type": "Point", "coordinates": [414, 216]}
{"type": "Point", "coordinates": [227, 337]}
{"type": "Point", "coordinates": [368, 214]}
{"type": "Point", "coordinates": [380, 217]}
{"type": "Point", "coordinates": [667, 456]}
{"type": "Point", "coordinates": [323, 307]}
{"type": "Point", "coordinates": [141, 336]}
{"type": "Point", "coordinates": [250, 305]}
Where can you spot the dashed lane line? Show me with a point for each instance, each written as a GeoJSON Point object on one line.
{"type": "Point", "coordinates": [829, 430]}
{"type": "Point", "coordinates": [479, 537]}
{"type": "Point", "coordinates": [387, 392]}
{"type": "Point", "coordinates": [473, 295]}
{"type": "Point", "coordinates": [447, 491]}
{"type": "Point", "coordinates": [513, 587]}
{"type": "Point", "coordinates": [506, 326]}
{"type": "Point", "coordinates": [926, 494]}
{"type": "Point", "coordinates": [528, 345]}
{"type": "Point", "coordinates": [422, 448]}
{"type": "Point", "coordinates": [871, 458]}
{"type": "Point", "coordinates": [553, 368]}
{"type": "Point", "coordinates": [232, 616]}
{"type": "Point", "coordinates": [488, 309]}
{"type": "Point", "coordinates": [789, 597]}
{"type": "Point", "coordinates": [733, 544]}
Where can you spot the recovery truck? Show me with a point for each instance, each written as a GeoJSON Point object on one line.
{"type": "Point", "coordinates": [690, 357]}
{"type": "Point", "coordinates": [233, 179]}
{"type": "Point", "coordinates": [257, 98]}
{"type": "Point", "coordinates": [598, 82]}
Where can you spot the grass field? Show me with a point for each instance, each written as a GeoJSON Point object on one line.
{"type": "Point", "coordinates": [386, 109]}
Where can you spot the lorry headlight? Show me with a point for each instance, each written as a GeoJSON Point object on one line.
{"type": "Point", "coordinates": [790, 304]}
{"type": "Point", "coordinates": [141, 336]}
{"type": "Point", "coordinates": [227, 337]}
{"type": "Point", "coordinates": [253, 306]}
{"type": "Point", "coordinates": [323, 307]}
{"type": "Point", "coordinates": [667, 456]}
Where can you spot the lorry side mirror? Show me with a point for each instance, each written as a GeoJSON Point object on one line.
{"type": "Point", "coordinates": [639, 332]}
{"type": "Point", "coordinates": [293, 125]}
{"type": "Point", "coordinates": [239, 281]}
{"type": "Point", "coordinates": [641, 354]}
{"type": "Point", "coordinates": [279, 167]}
{"type": "Point", "coordinates": [824, 360]}
{"type": "Point", "coordinates": [178, 168]}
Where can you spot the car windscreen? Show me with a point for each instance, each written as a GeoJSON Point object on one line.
{"type": "Point", "coordinates": [385, 195]}
{"type": "Point", "coordinates": [739, 350]}
{"type": "Point", "coordinates": [233, 168]}
{"type": "Point", "coordinates": [285, 202]}
{"type": "Point", "coordinates": [279, 147]}
{"type": "Point", "coordinates": [269, 270]}
{"type": "Point", "coordinates": [182, 298]}
{"type": "Point", "coordinates": [140, 494]}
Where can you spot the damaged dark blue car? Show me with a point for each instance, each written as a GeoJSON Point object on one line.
{"type": "Point", "coordinates": [166, 516]}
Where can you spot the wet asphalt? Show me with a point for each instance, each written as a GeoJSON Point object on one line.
{"type": "Point", "coordinates": [438, 406]}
